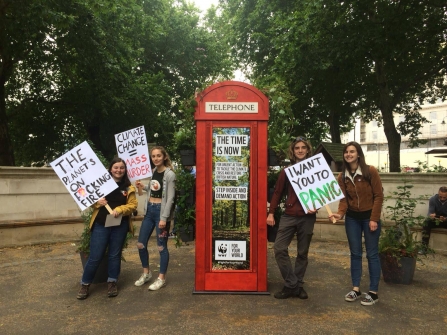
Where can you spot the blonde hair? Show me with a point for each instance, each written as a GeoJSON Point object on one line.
{"type": "Point", "coordinates": [167, 160]}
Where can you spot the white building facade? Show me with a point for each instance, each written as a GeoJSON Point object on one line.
{"type": "Point", "coordinates": [375, 144]}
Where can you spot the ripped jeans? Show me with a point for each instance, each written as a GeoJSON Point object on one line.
{"type": "Point", "coordinates": [150, 222]}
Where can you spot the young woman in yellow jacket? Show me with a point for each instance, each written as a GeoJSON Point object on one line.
{"type": "Point", "coordinates": [123, 202]}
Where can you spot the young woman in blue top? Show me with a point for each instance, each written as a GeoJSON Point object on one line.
{"type": "Point", "coordinates": [159, 212]}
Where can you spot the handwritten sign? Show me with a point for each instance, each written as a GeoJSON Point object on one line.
{"type": "Point", "coordinates": [132, 148]}
{"type": "Point", "coordinates": [84, 176]}
{"type": "Point", "coordinates": [314, 183]}
{"type": "Point", "coordinates": [230, 145]}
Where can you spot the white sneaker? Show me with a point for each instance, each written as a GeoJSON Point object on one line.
{"type": "Point", "coordinates": [145, 277]}
{"type": "Point", "coordinates": [158, 284]}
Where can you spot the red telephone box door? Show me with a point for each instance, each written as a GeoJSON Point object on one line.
{"type": "Point", "coordinates": [231, 168]}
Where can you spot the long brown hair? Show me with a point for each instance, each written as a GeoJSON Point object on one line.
{"type": "Point", "coordinates": [361, 160]}
{"type": "Point", "coordinates": [167, 160]}
{"type": "Point", "coordinates": [125, 178]}
{"type": "Point", "coordinates": [291, 153]}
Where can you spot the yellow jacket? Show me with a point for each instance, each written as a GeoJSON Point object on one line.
{"type": "Point", "coordinates": [127, 209]}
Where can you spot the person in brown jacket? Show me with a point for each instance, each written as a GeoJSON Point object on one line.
{"type": "Point", "coordinates": [362, 205]}
{"type": "Point", "coordinates": [294, 221]}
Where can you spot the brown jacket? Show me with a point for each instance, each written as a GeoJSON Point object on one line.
{"type": "Point", "coordinates": [360, 194]}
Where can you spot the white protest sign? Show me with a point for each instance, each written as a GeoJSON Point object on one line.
{"type": "Point", "coordinates": [131, 146]}
{"type": "Point", "coordinates": [314, 183]}
{"type": "Point", "coordinates": [229, 170]}
{"type": "Point", "coordinates": [230, 145]}
{"type": "Point", "coordinates": [84, 176]}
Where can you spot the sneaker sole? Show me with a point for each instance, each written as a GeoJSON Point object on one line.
{"type": "Point", "coordinates": [350, 299]}
{"type": "Point", "coordinates": [156, 289]}
{"type": "Point", "coordinates": [82, 297]}
{"type": "Point", "coordinates": [369, 303]}
{"type": "Point", "coordinates": [138, 284]}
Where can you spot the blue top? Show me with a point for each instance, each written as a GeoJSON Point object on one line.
{"type": "Point", "coordinates": [436, 206]}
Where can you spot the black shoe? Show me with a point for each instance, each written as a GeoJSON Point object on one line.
{"type": "Point", "coordinates": [285, 293]}
{"type": "Point", "coordinates": [112, 290]}
{"type": "Point", "coordinates": [301, 293]}
{"type": "Point", "coordinates": [83, 292]}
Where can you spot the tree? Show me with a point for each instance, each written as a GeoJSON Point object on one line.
{"type": "Point", "coordinates": [88, 69]}
{"type": "Point", "coordinates": [264, 43]}
{"type": "Point", "coordinates": [397, 53]}
{"type": "Point", "coordinates": [358, 57]}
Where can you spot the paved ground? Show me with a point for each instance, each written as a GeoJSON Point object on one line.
{"type": "Point", "coordinates": [39, 285]}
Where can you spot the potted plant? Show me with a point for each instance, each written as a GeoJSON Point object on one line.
{"type": "Point", "coordinates": [186, 212]}
{"type": "Point", "coordinates": [398, 244]}
{"type": "Point", "coordinates": [84, 248]}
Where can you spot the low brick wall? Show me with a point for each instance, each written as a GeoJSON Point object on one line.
{"type": "Point", "coordinates": [36, 208]}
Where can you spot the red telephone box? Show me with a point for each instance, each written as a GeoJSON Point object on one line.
{"type": "Point", "coordinates": [231, 189]}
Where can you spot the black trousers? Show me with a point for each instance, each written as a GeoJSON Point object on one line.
{"type": "Point", "coordinates": [429, 224]}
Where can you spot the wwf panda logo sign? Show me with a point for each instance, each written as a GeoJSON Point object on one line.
{"type": "Point", "coordinates": [230, 250]}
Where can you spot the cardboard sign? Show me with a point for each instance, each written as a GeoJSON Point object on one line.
{"type": "Point", "coordinates": [84, 176]}
{"type": "Point", "coordinates": [314, 183]}
{"type": "Point", "coordinates": [131, 146]}
{"type": "Point", "coordinates": [113, 221]}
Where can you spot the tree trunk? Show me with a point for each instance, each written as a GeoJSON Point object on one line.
{"type": "Point", "coordinates": [234, 214]}
{"type": "Point", "coordinates": [94, 135]}
{"type": "Point", "coordinates": [334, 126]}
{"type": "Point", "coordinates": [386, 106]}
{"type": "Point", "coordinates": [6, 152]}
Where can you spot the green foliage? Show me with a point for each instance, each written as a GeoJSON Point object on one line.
{"type": "Point", "coordinates": [344, 59]}
{"type": "Point", "coordinates": [424, 167]}
{"type": "Point", "coordinates": [281, 121]}
{"type": "Point", "coordinates": [185, 133]}
{"type": "Point", "coordinates": [186, 211]}
{"type": "Point", "coordinates": [399, 240]}
{"type": "Point", "coordinates": [87, 69]}
{"type": "Point", "coordinates": [84, 241]}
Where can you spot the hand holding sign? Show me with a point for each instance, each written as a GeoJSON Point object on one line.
{"type": "Point", "coordinates": [333, 217]}
{"type": "Point", "coordinates": [139, 187]}
{"type": "Point", "coordinates": [314, 183]}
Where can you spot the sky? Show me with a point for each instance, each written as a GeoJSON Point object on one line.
{"type": "Point", "coordinates": [204, 4]}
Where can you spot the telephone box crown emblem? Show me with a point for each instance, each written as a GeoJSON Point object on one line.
{"type": "Point", "coordinates": [231, 95]}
